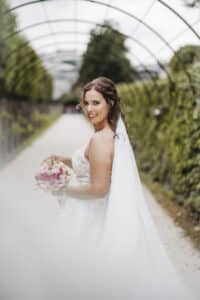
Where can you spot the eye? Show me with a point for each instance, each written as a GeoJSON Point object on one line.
{"type": "Point", "coordinates": [85, 103]}
{"type": "Point", "coordinates": [96, 102]}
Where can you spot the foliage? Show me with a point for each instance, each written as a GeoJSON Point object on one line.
{"type": "Point", "coordinates": [7, 26]}
{"type": "Point", "coordinates": [22, 74]}
{"type": "Point", "coordinates": [165, 132]}
{"type": "Point", "coordinates": [19, 122]}
{"type": "Point", "coordinates": [184, 57]}
{"type": "Point", "coordinates": [106, 56]}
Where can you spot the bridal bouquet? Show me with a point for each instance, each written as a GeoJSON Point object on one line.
{"type": "Point", "coordinates": [53, 175]}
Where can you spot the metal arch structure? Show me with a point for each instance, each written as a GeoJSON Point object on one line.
{"type": "Point", "coordinates": [180, 17]}
{"type": "Point", "coordinates": [93, 23]}
{"type": "Point", "coordinates": [30, 64]}
{"type": "Point", "coordinates": [87, 22]}
{"type": "Point", "coordinates": [96, 24]}
{"type": "Point", "coordinates": [146, 25]}
{"type": "Point", "coordinates": [144, 47]}
{"type": "Point", "coordinates": [51, 44]}
{"type": "Point", "coordinates": [119, 10]}
{"type": "Point", "coordinates": [155, 32]}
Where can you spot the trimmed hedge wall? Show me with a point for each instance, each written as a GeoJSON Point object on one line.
{"type": "Point", "coordinates": [163, 121]}
{"type": "Point", "coordinates": [22, 72]}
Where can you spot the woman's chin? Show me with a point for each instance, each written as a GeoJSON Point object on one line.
{"type": "Point", "coordinates": [93, 121]}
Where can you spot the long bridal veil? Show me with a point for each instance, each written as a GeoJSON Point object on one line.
{"type": "Point", "coordinates": [135, 257]}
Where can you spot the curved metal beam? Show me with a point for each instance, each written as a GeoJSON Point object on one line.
{"type": "Point", "coordinates": [22, 45]}
{"type": "Point", "coordinates": [180, 17]}
{"type": "Point", "coordinates": [52, 44]}
{"type": "Point", "coordinates": [27, 68]}
{"type": "Point", "coordinates": [162, 67]}
{"type": "Point", "coordinates": [155, 32]}
{"type": "Point", "coordinates": [100, 25]}
{"type": "Point", "coordinates": [49, 22]}
{"type": "Point", "coordinates": [120, 10]}
{"type": "Point", "coordinates": [125, 12]}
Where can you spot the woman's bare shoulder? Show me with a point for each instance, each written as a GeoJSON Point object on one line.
{"type": "Point", "coordinates": [102, 137]}
{"type": "Point", "coordinates": [102, 142]}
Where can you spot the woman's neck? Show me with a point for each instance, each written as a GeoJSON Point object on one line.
{"type": "Point", "coordinates": [100, 127]}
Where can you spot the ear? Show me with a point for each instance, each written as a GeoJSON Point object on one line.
{"type": "Point", "coordinates": [78, 107]}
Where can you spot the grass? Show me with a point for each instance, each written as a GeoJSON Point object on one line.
{"type": "Point", "coordinates": [181, 215]}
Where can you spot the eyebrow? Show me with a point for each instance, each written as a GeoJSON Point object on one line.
{"type": "Point", "coordinates": [92, 100]}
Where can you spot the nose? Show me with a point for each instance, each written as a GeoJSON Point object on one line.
{"type": "Point", "coordinates": [89, 108]}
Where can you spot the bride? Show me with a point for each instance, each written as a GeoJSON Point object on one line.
{"type": "Point", "coordinates": [105, 244]}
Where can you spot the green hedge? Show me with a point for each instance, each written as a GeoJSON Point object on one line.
{"type": "Point", "coordinates": [20, 122]}
{"type": "Point", "coordinates": [163, 120]}
{"type": "Point", "coordinates": [23, 75]}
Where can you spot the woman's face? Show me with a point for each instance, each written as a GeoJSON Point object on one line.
{"type": "Point", "coordinates": [95, 107]}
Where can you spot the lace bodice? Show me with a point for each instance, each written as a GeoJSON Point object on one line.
{"type": "Point", "coordinates": [81, 165]}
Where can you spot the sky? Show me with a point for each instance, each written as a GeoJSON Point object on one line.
{"type": "Point", "coordinates": [73, 35]}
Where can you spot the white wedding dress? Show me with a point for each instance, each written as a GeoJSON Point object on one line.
{"type": "Point", "coordinates": [72, 255]}
{"type": "Point", "coordinates": [109, 248]}
{"type": "Point", "coordinates": [97, 249]}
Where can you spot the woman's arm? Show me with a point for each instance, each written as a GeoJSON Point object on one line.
{"type": "Point", "coordinates": [100, 158]}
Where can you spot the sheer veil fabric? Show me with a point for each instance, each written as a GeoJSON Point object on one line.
{"type": "Point", "coordinates": [134, 258]}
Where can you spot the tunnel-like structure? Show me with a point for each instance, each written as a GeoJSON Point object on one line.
{"type": "Point", "coordinates": [146, 42]}
{"type": "Point", "coordinates": [161, 105]}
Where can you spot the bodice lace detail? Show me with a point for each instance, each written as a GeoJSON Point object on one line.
{"type": "Point", "coordinates": [81, 165]}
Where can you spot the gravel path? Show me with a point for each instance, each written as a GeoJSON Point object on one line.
{"type": "Point", "coordinates": [68, 133]}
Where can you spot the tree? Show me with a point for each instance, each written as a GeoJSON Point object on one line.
{"type": "Point", "coordinates": [106, 56]}
{"type": "Point", "coordinates": [184, 57]}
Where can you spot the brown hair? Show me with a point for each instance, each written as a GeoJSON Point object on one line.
{"type": "Point", "coordinates": [107, 88]}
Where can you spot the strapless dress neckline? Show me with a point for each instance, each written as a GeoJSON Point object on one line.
{"type": "Point", "coordinates": [83, 148]}
{"type": "Point", "coordinates": [81, 165]}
